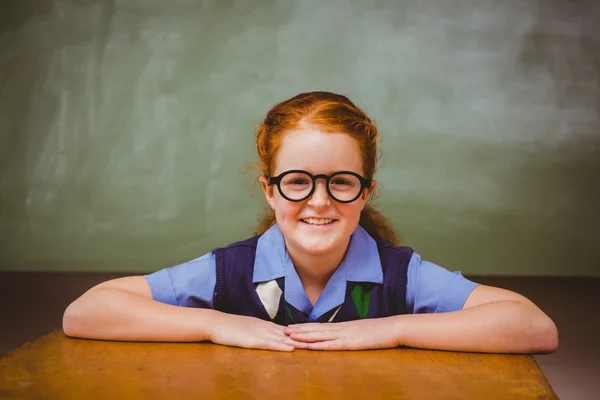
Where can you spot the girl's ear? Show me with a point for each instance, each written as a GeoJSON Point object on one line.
{"type": "Point", "coordinates": [268, 191]}
{"type": "Point", "coordinates": [368, 192]}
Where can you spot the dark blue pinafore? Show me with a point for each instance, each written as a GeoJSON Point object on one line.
{"type": "Point", "coordinates": [235, 293]}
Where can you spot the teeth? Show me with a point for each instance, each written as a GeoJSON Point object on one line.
{"type": "Point", "coordinates": [317, 221]}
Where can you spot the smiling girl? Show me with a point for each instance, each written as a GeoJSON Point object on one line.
{"type": "Point", "coordinates": [325, 270]}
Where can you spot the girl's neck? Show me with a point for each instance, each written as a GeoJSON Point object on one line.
{"type": "Point", "coordinates": [315, 271]}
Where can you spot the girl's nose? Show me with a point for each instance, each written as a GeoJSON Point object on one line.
{"type": "Point", "coordinates": [320, 197]}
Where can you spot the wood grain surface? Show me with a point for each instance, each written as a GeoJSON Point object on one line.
{"type": "Point", "coordinates": [56, 366]}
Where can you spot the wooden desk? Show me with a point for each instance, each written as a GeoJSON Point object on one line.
{"type": "Point", "coordinates": [58, 367]}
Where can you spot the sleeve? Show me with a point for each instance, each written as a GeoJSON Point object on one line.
{"type": "Point", "coordinates": [191, 284]}
{"type": "Point", "coordinates": [433, 289]}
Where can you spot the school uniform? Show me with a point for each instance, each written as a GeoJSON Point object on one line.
{"type": "Point", "coordinates": [256, 277]}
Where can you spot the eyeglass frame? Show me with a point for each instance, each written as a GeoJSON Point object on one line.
{"type": "Point", "coordinates": [276, 180]}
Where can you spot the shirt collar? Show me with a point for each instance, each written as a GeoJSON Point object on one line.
{"type": "Point", "coordinates": [362, 258]}
{"type": "Point", "coordinates": [271, 256]}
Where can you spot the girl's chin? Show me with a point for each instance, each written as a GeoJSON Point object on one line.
{"type": "Point", "coordinates": [316, 247]}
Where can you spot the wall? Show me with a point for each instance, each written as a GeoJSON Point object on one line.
{"type": "Point", "coordinates": [125, 125]}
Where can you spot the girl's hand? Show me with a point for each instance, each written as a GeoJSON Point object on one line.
{"type": "Point", "coordinates": [379, 333]}
{"type": "Point", "coordinates": [250, 333]}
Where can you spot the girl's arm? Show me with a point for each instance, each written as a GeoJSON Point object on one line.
{"type": "Point", "coordinates": [123, 309]}
{"type": "Point", "coordinates": [491, 320]}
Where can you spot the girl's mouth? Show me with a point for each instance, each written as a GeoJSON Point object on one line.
{"type": "Point", "coordinates": [318, 221]}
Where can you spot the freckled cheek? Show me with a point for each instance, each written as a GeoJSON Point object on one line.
{"type": "Point", "coordinates": [287, 211]}
{"type": "Point", "coordinates": [351, 212]}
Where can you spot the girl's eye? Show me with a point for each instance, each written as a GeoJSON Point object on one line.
{"type": "Point", "coordinates": [299, 182]}
{"type": "Point", "coordinates": [339, 181]}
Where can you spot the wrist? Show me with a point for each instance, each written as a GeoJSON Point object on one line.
{"type": "Point", "coordinates": [207, 323]}
{"type": "Point", "coordinates": [398, 329]}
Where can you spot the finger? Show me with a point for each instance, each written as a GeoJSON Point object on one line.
{"type": "Point", "coordinates": [311, 337]}
{"type": "Point", "coordinates": [264, 344]}
{"type": "Point", "coordinates": [295, 343]}
{"type": "Point", "coordinates": [277, 346]}
{"type": "Point", "coordinates": [329, 345]}
{"type": "Point", "coordinates": [280, 337]}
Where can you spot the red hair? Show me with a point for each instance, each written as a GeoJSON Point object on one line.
{"type": "Point", "coordinates": [330, 113]}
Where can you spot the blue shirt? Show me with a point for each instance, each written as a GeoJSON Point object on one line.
{"type": "Point", "coordinates": [430, 288]}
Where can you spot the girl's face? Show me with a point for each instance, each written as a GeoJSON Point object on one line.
{"type": "Point", "coordinates": [318, 224]}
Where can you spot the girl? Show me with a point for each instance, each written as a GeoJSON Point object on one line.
{"type": "Point", "coordinates": [323, 273]}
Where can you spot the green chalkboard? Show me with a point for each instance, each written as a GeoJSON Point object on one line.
{"type": "Point", "coordinates": [125, 126]}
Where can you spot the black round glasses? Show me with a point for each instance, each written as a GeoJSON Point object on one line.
{"type": "Point", "coordinates": [298, 185]}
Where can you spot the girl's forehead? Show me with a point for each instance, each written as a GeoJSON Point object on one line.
{"type": "Point", "coordinates": [318, 152]}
